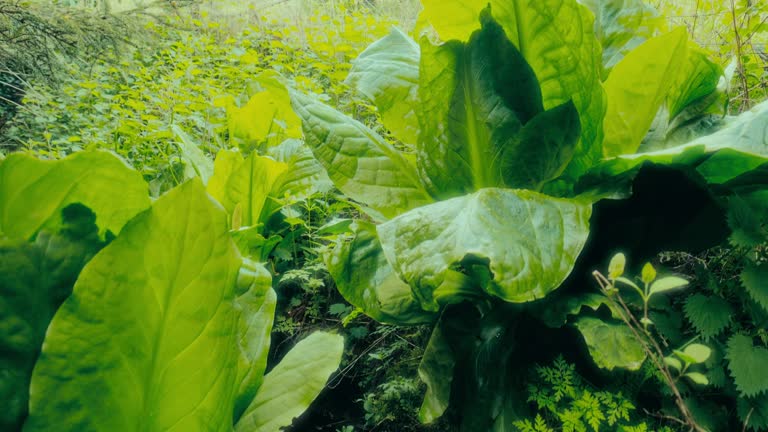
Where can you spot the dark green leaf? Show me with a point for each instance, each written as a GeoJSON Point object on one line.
{"type": "Point", "coordinates": [611, 344]}
{"type": "Point", "coordinates": [708, 314]}
{"type": "Point", "coordinates": [35, 278]}
{"type": "Point", "coordinates": [366, 280]}
{"type": "Point", "coordinates": [469, 114]}
{"type": "Point", "coordinates": [755, 280]}
{"type": "Point", "coordinates": [747, 365]}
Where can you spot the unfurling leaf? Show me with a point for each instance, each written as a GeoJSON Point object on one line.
{"type": "Point", "coordinates": [648, 274]}
{"type": "Point", "coordinates": [616, 267]}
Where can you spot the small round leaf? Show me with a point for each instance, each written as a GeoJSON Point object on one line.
{"type": "Point", "coordinates": [648, 274]}
{"type": "Point", "coordinates": [697, 378]}
{"type": "Point", "coordinates": [616, 266]}
{"type": "Point", "coordinates": [668, 283]}
{"type": "Point", "coordinates": [700, 353]}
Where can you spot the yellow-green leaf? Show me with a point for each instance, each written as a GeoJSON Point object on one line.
{"type": "Point", "coordinates": [637, 87]}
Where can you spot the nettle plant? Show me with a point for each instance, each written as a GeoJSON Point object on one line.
{"type": "Point", "coordinates": [522, 141]}
{"type": "Point", "coordinates": [128, 314]}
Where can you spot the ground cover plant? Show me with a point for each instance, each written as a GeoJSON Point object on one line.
{"type": "Point", "coordinates": [461, 205]}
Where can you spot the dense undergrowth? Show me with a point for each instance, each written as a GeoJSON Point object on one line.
{"type": "Point", "coordinates": [449, 197]}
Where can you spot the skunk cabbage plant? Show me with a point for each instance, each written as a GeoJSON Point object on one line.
{"type": "Point", "coordinates": [519, 134]}
{"type": "Point", "coordinates": [130, 315]}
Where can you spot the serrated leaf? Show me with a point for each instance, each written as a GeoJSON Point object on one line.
{"type": "Point", "coordinates": [755, 280]}
{"type": "Point", "coordinates": [709, 315]}
{"type": "Point", "coordinates": [753, 412]}
{"type": "Point", "coordinates": [665, 284]}
{"type": "Point", "coordinates": [747, 365]}
{"type": "Point", "coordinates": [718, 376]}
{"type": "Point", "coordinates": [746, 225]}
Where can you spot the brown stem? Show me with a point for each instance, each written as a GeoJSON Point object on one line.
{"type": "Point", "coordinates": [647, 341]}
{"type": "Point", "coordinates": [739, 52]}
{"type": "Point", "coordinates": [746, 420]}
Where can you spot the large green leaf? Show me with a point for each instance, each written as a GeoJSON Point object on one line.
{"type": "Point", "coordinates": [359, 162]}
{"type": "Point", "coordinates": [148, 340]}
{"type": "Point", "coordinates": [622, 25]}
{"type": "Point", "coordinates": [468, 117]}
{"type": "Point", "coordinates": [558, 307]}
{"type": "Point", "coordinates": [490, 349]}
{"type": "Point", "coordinates": [528, 241]}
{"type": "Point", "coordinates": [246, 184]}
{"type": "Point", "coordinates": [557, 39]}
{"type": "Point", "coordinates": [637, 87]}
{"type": "Point", "coordinates": [267, 117]}
{"type": "Point", "coordinates": [387, 73]}
{"type": "Point", "coordinates": [304, 175]}
{"type": "Point", "coordinates": [471, 118]}
{"type": "Point", "coordinates": [746, 132]}
{"type": "Point", "coordinates": [695, 103]}
{"type": "Point", "coordinates": [611, 344]}
{"type": "Point", "coordinates": [293, 384]}
{"type": "Point", "coordinates": [33, 192]}
{"type": "Point", "coordinates": [35, 278]}
{"type": "Point", "coordinates": [544, 148]}
{"type": "Point", "coordinates": [698, 78]}
{"type": "Point", "coordinates": [366, 280]}
{"type": "Point", "coordinates": [255, 303]}
{"type": "Point", "coordinates": [436, 371]}
{"type": "Point", "coordinates": [721, 158]}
